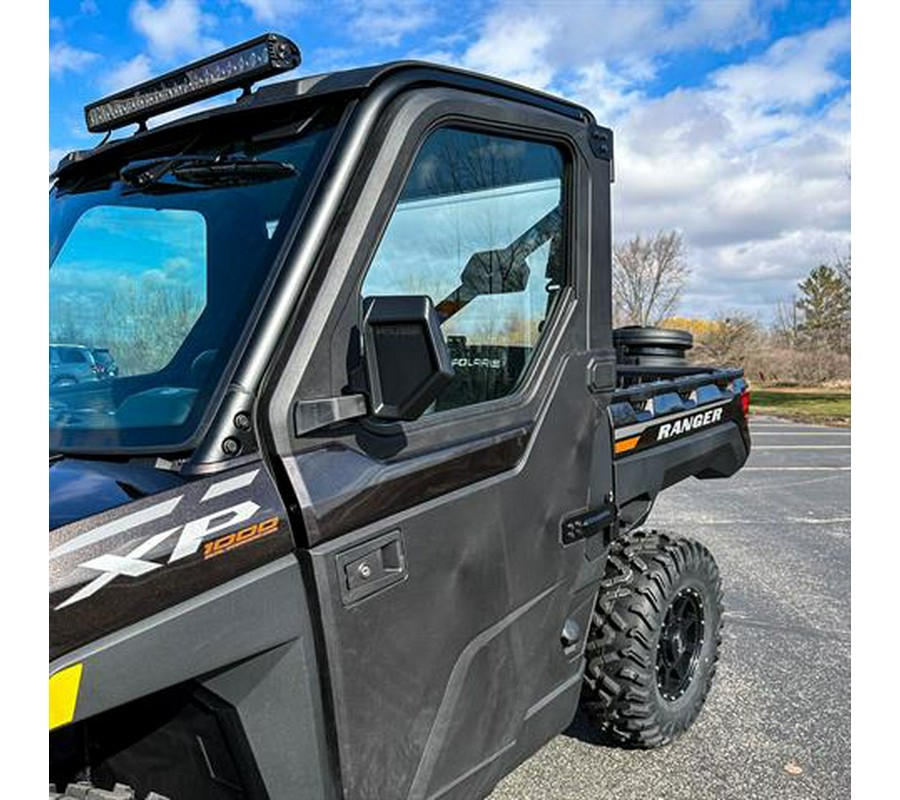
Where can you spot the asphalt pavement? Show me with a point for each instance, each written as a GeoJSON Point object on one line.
{"type": "Point", "coordinates": [777, 722]}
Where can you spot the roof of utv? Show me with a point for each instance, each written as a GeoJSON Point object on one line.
{"type": "Point", "coordinates": [394, 76]}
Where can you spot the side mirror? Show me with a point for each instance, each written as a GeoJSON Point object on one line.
{"type": "Point", "coordinates": [406, 358]}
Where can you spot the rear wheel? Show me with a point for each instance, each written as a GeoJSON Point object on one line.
{"type": "Point", "coordinates": [654, 639]}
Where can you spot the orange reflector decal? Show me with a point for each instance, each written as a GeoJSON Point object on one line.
{"type": "Point", "coordinates": [624, 445]}
{"type": "Point", "coordinates": [63, 694]}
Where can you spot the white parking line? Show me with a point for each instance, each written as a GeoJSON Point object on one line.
{"type": "Point", "coordinates": [804, 520]}
{"type": "Point", "coordinates": [803, 447]}
{"type": "Point", "coordinates": [795, 469]}
{"type": "Point", "coordinates": [798, 429]}
{"type": "Point", "coordinates": [799, 433]}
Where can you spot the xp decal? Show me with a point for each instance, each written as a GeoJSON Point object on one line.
{"type": "Point", "coordinates": [133, 563]}
{"type": "Point", "coordinates": [162, 553]}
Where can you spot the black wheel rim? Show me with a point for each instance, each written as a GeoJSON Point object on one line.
{"type": "Point", "coordinates": [680, 644]}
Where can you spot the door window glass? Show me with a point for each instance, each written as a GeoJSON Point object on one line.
{"type": "Point", "coordinates": [479, 229]}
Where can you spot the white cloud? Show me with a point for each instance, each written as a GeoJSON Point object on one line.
{"type": "Point", "coordinates": [89, 7]}
{"type": "Point", "coordinates": [755, 276]}
{"type": "Point", "coordinates": [633, 36]}
{"type": "Point", "coordinates": [174, 28]}
{"type": "Point", "coordinates": [608, 94]}
{"type": "Point", "coordinates": [795, 71]}
{"type": "Point", "coordinates": [128, 73]}
{"type": "Point", "coordinates": [273, 10]}
{"type": "Point", "coordinates": [387, 22]}
{"type": "Point", "coordinates": [757, 214]}
{"type": "Point", "coordinates": [720, 25]}
{"type": "Point", "coordinates": [752, 166]}
{"type": "Point", "coordinates": [65, 58]}
{"type": "Point", "coordinates": [515, 49]}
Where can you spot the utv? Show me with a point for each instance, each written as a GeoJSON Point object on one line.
{"type": "Point", "coordinates": [357, 516]}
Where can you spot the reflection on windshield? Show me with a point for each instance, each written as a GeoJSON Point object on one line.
{"type": "Point", "coordinates": [131, 281]}
{"type": "Point", "coordinates": [150, 290]}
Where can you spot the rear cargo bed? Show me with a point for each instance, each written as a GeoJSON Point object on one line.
{"type": "Point", "coordinates": [671, 423]}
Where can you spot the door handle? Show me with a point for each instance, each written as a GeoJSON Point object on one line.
{"type": "Point", "coordinates": [370, 567]}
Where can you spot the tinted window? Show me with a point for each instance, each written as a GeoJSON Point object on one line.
{"type": "Point", "coordinates": [72, 355]}
{"type": "Point", "coordinates": [479, 229]}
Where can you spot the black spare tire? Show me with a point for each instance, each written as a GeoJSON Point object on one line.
{"type": "Point", "coordinates": [651, 347]}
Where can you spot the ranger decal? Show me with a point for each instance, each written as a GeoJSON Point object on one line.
{"type": "Point", "coordinates": [685, 424]}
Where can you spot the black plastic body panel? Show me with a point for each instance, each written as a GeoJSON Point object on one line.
{"type": "Point", "coordinates": [249, 641]}
{"type": "Point", "coordinates": [183, 741]}
{"type": "Point", "coordinates": [718, 452]}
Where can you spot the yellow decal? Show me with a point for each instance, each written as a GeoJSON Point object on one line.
{"type": "Point", "coordinates": [63, 694]}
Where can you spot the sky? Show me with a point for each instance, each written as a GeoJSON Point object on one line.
{"type": "Point", "coordinates": [731, 117]}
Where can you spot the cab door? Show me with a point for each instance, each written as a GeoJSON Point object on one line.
{"type": "Point", "coordinates": [447, 555]}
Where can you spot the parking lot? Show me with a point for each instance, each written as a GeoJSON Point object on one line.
{"type": "Point", "coordinates": [777, 722]}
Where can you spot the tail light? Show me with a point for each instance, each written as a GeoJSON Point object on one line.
{"type": "Point", "coordinates": [745, 402]}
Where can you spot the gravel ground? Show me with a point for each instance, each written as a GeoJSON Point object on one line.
{"type": "Point", "coordinates": [777, 722]}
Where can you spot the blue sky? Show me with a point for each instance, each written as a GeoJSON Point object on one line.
{"type": "Point", "coordinates": [732, 117]}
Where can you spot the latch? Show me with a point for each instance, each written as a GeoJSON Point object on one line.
{"type": "Point", "coordinates": [372, 566]}
{"type": "Point", "coordinates": [589, 523]}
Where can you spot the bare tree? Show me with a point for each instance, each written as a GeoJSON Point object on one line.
{"type": "Point", "coordinates": [786, 326]}
{"type": "Point", "coordinates": [842, 265]}
{"type": "Point", "coordinates": [648, 278]}
{"type": "Point", "coordinates": [731, 340]}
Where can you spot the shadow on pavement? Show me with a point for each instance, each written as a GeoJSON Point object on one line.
{"type": "Point", "coordinates": [584, 730]}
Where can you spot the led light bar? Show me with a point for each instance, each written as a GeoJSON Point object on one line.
{"type": "Point", "coordinates": [236, 68]}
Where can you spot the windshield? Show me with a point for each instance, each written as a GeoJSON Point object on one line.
{"type": "Point", "coordinates": [155, 266]}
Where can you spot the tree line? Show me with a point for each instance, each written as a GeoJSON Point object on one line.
{"type": "Point", "coordinates": [142, 323]}
{"type": "Point", "coordinates": [807, 340]}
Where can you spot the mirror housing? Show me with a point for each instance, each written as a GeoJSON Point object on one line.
{"type": "Point", "coordinates": [407, 362]}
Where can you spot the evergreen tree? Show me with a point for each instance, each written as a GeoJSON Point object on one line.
{"type": "Point", "coordinates": [824, 305]}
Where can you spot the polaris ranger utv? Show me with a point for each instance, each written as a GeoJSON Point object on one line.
{"type": "Point", "coordinates": [357, 516]}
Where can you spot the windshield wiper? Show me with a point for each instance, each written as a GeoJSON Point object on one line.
{"type": "Point", "coordinates": [203, 172]}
